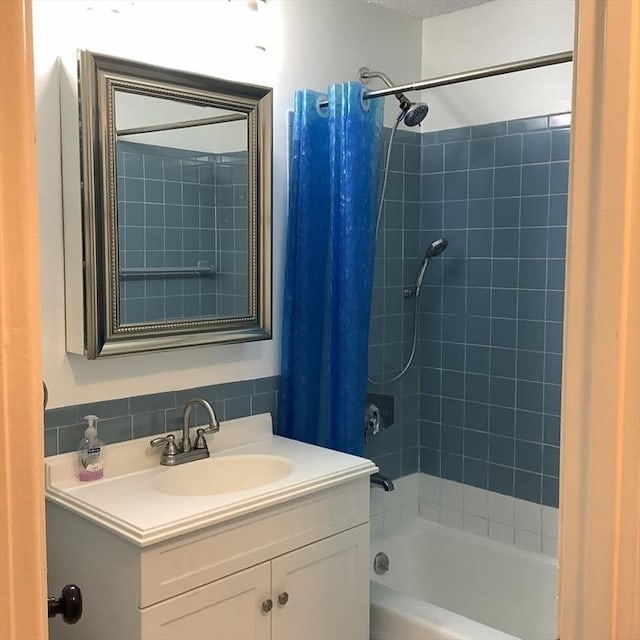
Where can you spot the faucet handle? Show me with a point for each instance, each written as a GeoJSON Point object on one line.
{"type": "Point", "coordinates": [200, 442]}
{"type": "Point", "coordinates": [170, 441]}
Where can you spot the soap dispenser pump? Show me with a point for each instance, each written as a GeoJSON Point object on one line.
{"type": "Point", "coordinates": [90, 452]}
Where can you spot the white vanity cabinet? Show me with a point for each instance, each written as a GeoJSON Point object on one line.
{"type": "Point", "coordinates": [227, 609]}
{"type": "Point", "coordinates": [325, 587]}
{"type": "Point", "coordinates": [294, 571]}
{"type": "Point", "coordinates": [316, 592]}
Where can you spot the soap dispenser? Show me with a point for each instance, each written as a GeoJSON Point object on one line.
{"type": "Point", "coordinates": [90, 454]}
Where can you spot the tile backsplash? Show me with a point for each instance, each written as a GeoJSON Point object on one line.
{"type": "Point", "coordinates": [141, 416]}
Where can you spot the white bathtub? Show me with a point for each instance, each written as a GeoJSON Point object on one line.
{"type": "Point", "coordinates": [445, 584]}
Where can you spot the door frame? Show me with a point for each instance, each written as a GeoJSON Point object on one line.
{"type": "Point", "coordinates": [599, 534]}
{"type": "Point", "coordinates": [599, 588]}
{"type": "Point", "coordinates": [22, 520]}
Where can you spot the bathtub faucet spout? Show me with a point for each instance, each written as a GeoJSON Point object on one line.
{"type": "Point", "coordinates": [377, 479]}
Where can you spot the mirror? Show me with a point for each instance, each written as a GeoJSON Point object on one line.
{"type": "Point", "coordinates": [176, 208]}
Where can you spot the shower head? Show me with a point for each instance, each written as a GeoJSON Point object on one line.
{"type": "Point", "coordinates": [414, 112]}
{"type": "Point", "coordinates": [433, 250]}
{"type": "Point", "coordinates": [436, 248]}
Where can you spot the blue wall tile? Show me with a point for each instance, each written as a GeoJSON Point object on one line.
{"type": "Point", "coordinates": [475, 473]}
{"type": "Point", "coordinates": [478, 272]}
{"type": "Point", "coordinates": [508, 150]}
{"type": "Point", "coordinates": [560, 144]}
{"type": "Point", "coordinates": [501, 479]}
{"type": "Point", "coordinates": [529, 425]}
{"type": "Point", "coordinates": [477, 358]}
{"type": "Point", "coordinates": [528, 486]}
{"type": "Point", "coordinates": [433, 158]}
{"type": "Point", "coordinates": [560, 120]}
{"type": "Point", "coordinates": [452, 412]}
{"type": "Point", "coordinates": [477, 331]}
{"type": "Point", "coordinates": [503, 332]}
{"type": "Point", "coordinates": [507, 182]}
{"type": "Point", "coordinates": [531, 335]}
{"type": "Point", "coordinates": [476, 416]}
{"type": "Point", "coordinates": [455, 185]}
{"type": "Point", "coordinates": [505, 273]}
{"type": "Point", "coordinates": [506, 212]}
{"type": "Point", "coordinates": [528, 456]}
{"type": "Point", "coordinates": [550, 491]}
{"type": "Point", "coordinates": [481, 153]}
{"type": "Point", "coordinates": [490, 130]}
{"type": "Point", "coordinates": [478, 301]}
{"type": "Point", "coordinates": [535, 179]}
{"type": "Point", "coordinates": [502, 450]}
{"type": "Point", "coordinates": [450, 135]}
{"type": "Point", "coordinates": [534, 211]}
{"type": "Point", "coordinates": [551, 430]}
{"type": "Point", "coordinates": [503, 363]}
{"type": "Point", "coordinates": [481, 183]}
{"type": "Point", "coordinates": [529, 395]}
{"type": "Point", "coordinates": [480, 212]}
{"type": "Point", "coordinates": [530, 366]}
{"type": "Point", "coordinates": [490, 340]}
{"type": "Point", "coordinates": [456, 156]}
{"type": "Point", "coordinates": [455, 214]}
{"type": "Point", "coordinates": [451, 467]}
{"type": "Point", "coordinates": [476, 387]}
{"type": "Point", "coordinates": [480, 243]}
{"type": "Point", "coordinates": [501, 420]}
{"type": "Point", "coordinates": [452, 439]}
{"type": "Point", "coordinates": [502, 392]}
{"type": "Point", "coordinates": [536, 147]}
{"type": "Point", "coordinates": [528, 124]}
{"type": "Point", "coordinates": [504, 303]}
{"type": "Point", "coordinates": [432, 187]}
{"type": "Point", "coordinates": [505, 243]}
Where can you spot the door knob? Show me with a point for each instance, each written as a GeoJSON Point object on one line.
{"type": "Point", "coordinates": [69, 604]}
{"type": "Point", "coordinates": [267, 605]}
{"type": "Point", "coordinates": [283, 598]}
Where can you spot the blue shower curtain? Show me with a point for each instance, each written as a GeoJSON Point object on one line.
{"type": "Point", "coordinates": [333, 174]}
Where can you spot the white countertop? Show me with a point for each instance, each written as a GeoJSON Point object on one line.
{"type": "Point", "coordinates": [127, 503]}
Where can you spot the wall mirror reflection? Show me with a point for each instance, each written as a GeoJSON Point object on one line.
{"type": "Point", "coordinates": [176, 169]}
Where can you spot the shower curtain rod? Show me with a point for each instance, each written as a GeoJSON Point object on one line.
{"type": "Point", "coordinates": [185, 124]}
{"type": "Point", "coordinates": [465, 76]}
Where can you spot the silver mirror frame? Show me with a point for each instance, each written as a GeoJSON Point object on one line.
{"type": "Point", "coordinates": [99, 76]}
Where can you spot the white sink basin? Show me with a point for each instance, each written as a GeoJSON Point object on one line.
{"type": "Point", "coordinates": [226, 474]}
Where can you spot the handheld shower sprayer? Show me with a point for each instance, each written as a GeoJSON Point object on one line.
{"type": "Point", "coordinates": [433, 250]}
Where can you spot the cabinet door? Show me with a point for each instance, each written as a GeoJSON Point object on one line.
{"type": "Point", "coordinates": [227, 609]}
{"type": "Point", "coordinates": [327, 589]}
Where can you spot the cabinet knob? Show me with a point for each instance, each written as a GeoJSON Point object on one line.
{"type": "Point", "coordinates": [283, 598]}
{"type": "Point", "coordinates": [267, 605]}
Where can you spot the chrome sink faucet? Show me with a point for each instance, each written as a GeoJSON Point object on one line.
{"type": "Point", "coordinates": [173, 453]}
{"type": "Point", "coordinates": [212, 427]}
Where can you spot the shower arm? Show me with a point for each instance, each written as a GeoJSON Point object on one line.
{"type": "Point", "coordinates": [465, 76]}
{"type": "Point", "coordinates": [365, 74]}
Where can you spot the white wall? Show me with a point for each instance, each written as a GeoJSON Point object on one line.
{"type": "Point", "coordinates": [494, 33]}
{"type": "Point", "coordinates": [309, 44]}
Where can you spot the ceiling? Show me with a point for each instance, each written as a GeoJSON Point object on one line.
{"type": "Point", "coordinates": [426, 8]}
